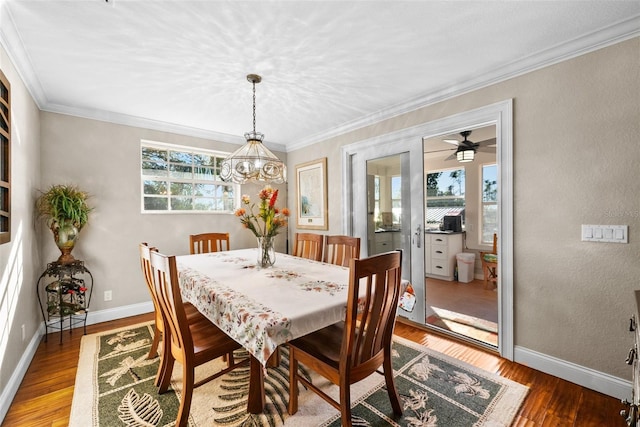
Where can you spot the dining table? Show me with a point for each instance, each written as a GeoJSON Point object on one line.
{"type": "Point", "coordinates": [262, 308]}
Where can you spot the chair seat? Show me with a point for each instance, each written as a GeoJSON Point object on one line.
{"type": "Point", "coordinates": [490, 257]}
{"type": "Point", "coordinates": [208, 338]}
{"type": "Point", "coordinates": [323, 344]}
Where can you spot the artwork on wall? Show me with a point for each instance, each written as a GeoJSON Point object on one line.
{"type": "Point", "coordinates": [311, 195]}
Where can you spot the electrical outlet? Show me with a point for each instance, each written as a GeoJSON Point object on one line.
{"type": "Point", "coordinates": [108, 296]}
{"type": "Point", "coordinates": [24, 333]}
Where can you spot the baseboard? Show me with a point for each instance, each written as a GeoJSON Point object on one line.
{"type": "Point", "coordinates": [7, 395]}
{"type": "Point", "coordinates": [583, 376]}
{"type": "Point", "coordinates": [93, 317]}
{"type": "Point", "coordinates": [119, 312]}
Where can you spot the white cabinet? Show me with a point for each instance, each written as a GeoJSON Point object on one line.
{"type": "Point", "coordinates": [440, 254]}
{"type": "Point", "coordinates": [385, 241]}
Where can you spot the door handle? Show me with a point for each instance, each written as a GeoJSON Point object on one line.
{"type": "Point", "coordinates": [417, 236]}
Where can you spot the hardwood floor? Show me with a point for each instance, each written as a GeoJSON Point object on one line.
{"type": "Point", "coordinates": [45, 395]}
{"type": "Point", "coordinates": [477, 306]}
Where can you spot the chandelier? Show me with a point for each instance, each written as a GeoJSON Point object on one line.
{"type": "Point", "coordinates": [253, 161]}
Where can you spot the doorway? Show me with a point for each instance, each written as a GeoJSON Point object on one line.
{"type": "Point", "coordinates": [409, 143]}
{"type": "Point", "coordinates": [461, 206]}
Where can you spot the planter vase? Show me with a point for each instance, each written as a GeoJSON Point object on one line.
{"type": "Point", "coordinates": [65, 236]}
{"type": "Point", "coordinates": [266, 252]}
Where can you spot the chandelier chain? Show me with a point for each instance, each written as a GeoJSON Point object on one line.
{"type": "Point", "coordinates": [254, 106]}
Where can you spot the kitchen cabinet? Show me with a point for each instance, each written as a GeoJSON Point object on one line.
{"type": "Point", "coordinates": [440, 254]}
{"type": "Point", "coordinates": [385, 241]}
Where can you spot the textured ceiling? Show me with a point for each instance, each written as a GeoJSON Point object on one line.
{"type": "Point", "coordinates": [326, 66]}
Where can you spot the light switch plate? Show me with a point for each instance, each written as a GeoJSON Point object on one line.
{"type": "Point", "coordinates": [605, 233]}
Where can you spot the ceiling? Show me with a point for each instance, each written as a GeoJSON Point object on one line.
{"type": "Point", "coordinates": [327, 66]}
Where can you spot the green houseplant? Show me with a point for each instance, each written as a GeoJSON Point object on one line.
{"type": "Point", "coordinates": [65, 209]}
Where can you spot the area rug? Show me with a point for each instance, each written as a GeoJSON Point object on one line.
{"type": "Point", "coordinates": [114, 387]}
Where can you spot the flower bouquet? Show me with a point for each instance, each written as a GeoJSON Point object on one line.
{"type": "Point", "coordinates": [266, 224]}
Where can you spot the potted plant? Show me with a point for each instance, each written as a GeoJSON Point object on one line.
{"type": "Point", "coordinates": [66, 211]}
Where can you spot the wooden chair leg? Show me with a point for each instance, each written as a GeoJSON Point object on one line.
{"type": "Point", "coordinates": [153, 351]}
{"type": "Point", "coordinates": [345, 405]}
{"type": "Point", "coordinates": [187, 394]}
{"type": "Point", "coordinates": [293, 383]}
{"type": "Point", "coordinates": [165, 376]}
{"type": "Point", "coordinates": [164, 371]}
{"type": "Point", "coordinates": [391, 386]}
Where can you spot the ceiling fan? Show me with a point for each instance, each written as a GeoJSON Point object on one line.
{"type": "Point", "coordinates": [467, 149]}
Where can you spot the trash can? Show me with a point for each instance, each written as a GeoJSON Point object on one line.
{"type": "Point", "coordinates": [466, 266]}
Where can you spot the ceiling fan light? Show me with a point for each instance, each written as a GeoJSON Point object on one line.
{"type": "Point", "coordinates": [464, 156]}
{"type": "Point", "coordinates": [253, 161]}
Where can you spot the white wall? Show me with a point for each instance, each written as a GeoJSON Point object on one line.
{"type": "Point", "coordinates": [576, 157]}
{"type": "Point", "coordinates": [104, 160]}
{"type": "Point", "coordinates": [19, 259]}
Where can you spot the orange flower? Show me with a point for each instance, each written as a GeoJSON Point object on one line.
{"type": "Point", "coordinates": [240, 212]}
{"type": "Point", "coordinates": [286, 212]}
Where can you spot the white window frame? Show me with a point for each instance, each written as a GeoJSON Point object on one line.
{"type": "Point", "coordinates": [184, 180]}
{"type": "Point", "coordinates": [487, 241]}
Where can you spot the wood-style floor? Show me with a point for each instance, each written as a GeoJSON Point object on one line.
{"type": "Point", "coordinates": [45, 395]}
{"type": "Point", "coordinates": [471, 299]}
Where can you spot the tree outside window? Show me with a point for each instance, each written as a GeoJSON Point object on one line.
{"type": "Point", "coordinates": [489, 203]}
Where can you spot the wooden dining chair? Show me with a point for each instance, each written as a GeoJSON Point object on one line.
{"type": "Point", "coordinates": [350, 351]}
{"type": "Point", "coordinates": [340, 250]}
{"type": "Point", "coordinates": [308, 245]}
{"type": "Point", "coordinates": [208, 242]}
{"type": "Point", "coordinates": [190, 344]}
{"type": "Point", "coordinates": [489, 262]}
{"type": "Point", "coordinates": [192, 313]}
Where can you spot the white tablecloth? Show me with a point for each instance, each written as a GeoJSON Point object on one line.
{"type": "Point", "coordinates": [263, 308]}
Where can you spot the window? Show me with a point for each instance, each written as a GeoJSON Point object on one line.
{"type": "Point", "coordinates": [381, 188]}
{"type": "Point", "coordinates": [489, 203]}
{"type": "Point", "coordinates": [179, 179]}
{"type": "Point", "coordinates": [5, 159]}
{"type": "Point", "coordinates": [396, 199]}
{"type": "Point", "coordinates": [445, 195]}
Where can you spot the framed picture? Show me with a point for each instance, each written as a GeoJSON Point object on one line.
{"type": "Point", "coordinates": [311, 195]}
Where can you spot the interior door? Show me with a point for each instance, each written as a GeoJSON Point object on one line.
{"type": "Point", "coordinates": [399, 167]}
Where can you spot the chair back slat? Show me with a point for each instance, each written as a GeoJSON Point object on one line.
{"type": "Point", "coordinates": [339, 250]}
{"type": "Point", "coordinates": [208, 242]}
{"type": "Point", "coordinates": [145, 264]}
{"type": "Point", "coordinates": [370, 319]}
{"type": "Point", "coordinates": [308, 245]}
{"type": "Point", "coordinates": [165, 280]}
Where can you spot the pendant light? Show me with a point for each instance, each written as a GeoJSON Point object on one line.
{"type": "Point", "coordinates": [466, 151]}
{"type": "Point", "coordinates": [253, 162]}
{"type": "Point", "coordinates": [465, 154]}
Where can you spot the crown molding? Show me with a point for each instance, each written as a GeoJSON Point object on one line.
{"type": "Point", "coordinates": [607, 36]}
{"type": "Point", "coordinates": [12, 44]}
{"type": "Point", "coordinates": [141, 122]}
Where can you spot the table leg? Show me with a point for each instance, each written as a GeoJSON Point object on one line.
{"type": "Point", "coordinates": [256, 401]}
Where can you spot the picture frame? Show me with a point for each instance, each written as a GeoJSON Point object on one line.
{"type": "Point", "coordinates": [311, 195]}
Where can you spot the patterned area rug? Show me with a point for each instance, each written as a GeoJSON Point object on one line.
{"type": "Point", "coordinates": [114, 387]}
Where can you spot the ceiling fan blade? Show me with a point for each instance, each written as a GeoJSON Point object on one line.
{"type": "Point", "coordinates": [451, 157]}
{"type": "Point", "coordinates": [487, 142]}
{"type": "Point", "coordinates": [487, 149]}
{"type": "Point", "coordinates": [452, 141]}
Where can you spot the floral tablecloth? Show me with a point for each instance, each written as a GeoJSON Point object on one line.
{"type": "Point", "coordinates": [263, 308]}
